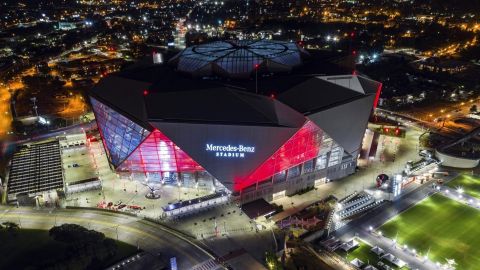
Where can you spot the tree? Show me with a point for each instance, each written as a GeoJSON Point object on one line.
{"type": "Point", "coordinates": [272, 261]}
{"type": "Point", "coordinates": [473, 109]}
{"type": "Point", "coordinates": [84, 247]}
{"type": "Point", "coordinates": [11, 227]}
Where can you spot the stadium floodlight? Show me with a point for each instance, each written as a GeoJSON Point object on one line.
{"type": "Point", "coordinates": [405, 246]}
{"type": "Point", "coordinates": [460, 190]}
{"type": "Point", "coordinates": [370, 228]}
{"type": "Point", "coordinates": [447, 191]}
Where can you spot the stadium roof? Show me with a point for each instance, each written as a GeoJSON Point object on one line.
{"type": "Point", "coordinates": [324, 92]}
{"type": "Point", "coordinates": [221, 105]}
{"type": "Point", "coordinates": [216, 105]}
{"type": "Point", "coordinates": [239, 58]}
{"type": "Point", "coordinates": [150, 94]}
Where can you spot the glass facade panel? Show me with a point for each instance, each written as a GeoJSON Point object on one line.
{"type": "Point", "coordinates": [159, 154]}
{"type": "Point", "coordinates": [120, 135]}
{"type": "Point", "coordinates": [335, 156]}
{"type": "Point", "coordinates": [239, 57]}
{"type": "Point", "coordinates": [302, 146]}
{"type": "Point", "coordinates": [321, 162]}
{"type": "Point", "coordinates": [280, 177]}
{"type": "Point", "coordinates": [308, 166]}
{"type": "Point", "coordinates": [294, 172]}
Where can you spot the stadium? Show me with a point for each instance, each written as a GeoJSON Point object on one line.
{"type": "Point", "coordinates": [248, 117]}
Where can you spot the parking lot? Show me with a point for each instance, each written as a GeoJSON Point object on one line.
{"type": "Point", "coordinates": [77, 164]}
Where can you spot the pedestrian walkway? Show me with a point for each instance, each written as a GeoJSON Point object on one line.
{"type": "Point", "coordinates": [459, 196]}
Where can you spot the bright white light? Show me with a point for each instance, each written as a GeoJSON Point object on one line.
{"type": "Point", "coordinates": [329, 38]}
{"type": "Point", "coordinates": [374, 56]}
{"type": "Point", "coordinates": [370, 228]}
{"type": "Point", "coordinates": [460, 190]}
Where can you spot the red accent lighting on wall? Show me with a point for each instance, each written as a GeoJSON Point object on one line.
{"type": "Point", "coordinates": [304, 145]}
{"type": "Point", "coordinates": [377, 96]}
{"type": "Point", "coordinates": [157, 153]}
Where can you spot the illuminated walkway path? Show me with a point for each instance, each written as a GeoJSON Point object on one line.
{"type": "Point", "coordinates": [148, 236]}
{"type": "Point", "coordinates": [460, 197]}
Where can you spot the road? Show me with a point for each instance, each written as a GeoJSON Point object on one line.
{"type": "Point", "coordinates": [427, 125]}
{"type": "Point", "coordinates": [149, 236]}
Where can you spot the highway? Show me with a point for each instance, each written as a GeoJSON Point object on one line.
{"type": "Point", "coordinates": [148, 236]}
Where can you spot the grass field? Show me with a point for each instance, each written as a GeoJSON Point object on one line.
{"type": "Point", "coordinates": [446, 227]}
{"type": "Point", "coordinates": [470, 184]}
{"type": "Point", "coordinates": [363, 253]}
{"type": "Point", "coordinates": [29, 248]}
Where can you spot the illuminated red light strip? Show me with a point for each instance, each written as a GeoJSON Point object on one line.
{"type": "Point", "coordinates": [304, 145]}
{"type": "Point", "coordinates": [377, 96]}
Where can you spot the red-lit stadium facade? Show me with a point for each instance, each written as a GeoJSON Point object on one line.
{"type": "Point", "coordinates": [249, 143]}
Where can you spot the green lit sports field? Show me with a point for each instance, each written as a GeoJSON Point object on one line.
{"type": "Point", "coordinates": [449, 228]}
{"type": "Point", "coordinates": [470, 184]}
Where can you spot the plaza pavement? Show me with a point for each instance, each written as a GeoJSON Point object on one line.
{"type": "Point", "coordinates": [234, 229]}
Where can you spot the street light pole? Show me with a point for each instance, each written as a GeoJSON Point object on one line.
{"type": "Point", "coordinates": [256, 78]}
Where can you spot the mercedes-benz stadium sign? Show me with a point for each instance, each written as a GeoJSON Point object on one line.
{"type": "Point", "coordinates": [229, 151]}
